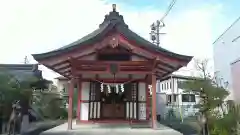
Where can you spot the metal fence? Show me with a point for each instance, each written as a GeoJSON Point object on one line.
{"type": "Point", "coordinates": [179, 112]}
{"type": "Point", "coordinates": [182, 118]}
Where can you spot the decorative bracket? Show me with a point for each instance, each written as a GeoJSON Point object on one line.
{"type": "Point", "coordinates": [114, 42]}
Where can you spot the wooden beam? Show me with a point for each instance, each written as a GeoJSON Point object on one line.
{"type": "Point", "coordinates": [117, 50]}
{"type": "Point", "coordinates": [163, 69]}
{"type": "Point", "coordinates": [168, 73]}
{"type": "Point", "coordinates": [70, 103]}
{"type": "Point", "coordinates": [61, 58]}
{"type": "Point", "coordinates": [154, 64]}
{"type": "Point", "coordinates": [67, 60]}
{"type": "Point", "coordinates": [121, 72]}
{"type": "Point", "coordinates": [122, 63]}
{"type": "Point", "coordinates": [78, 71]}
{"type": "Point", "coordinates": [91, 68]}
{"type": "Point", "coordinates": [134, 68]}
{"type": "Point", "coordinates": [79, 89]}
{"type": "Point", "coordinates": [160, 71]}
{"type": "Point", "coordinates": [78, 52]}
{"type": "Point", "coordinates": [135, 49]}
{"type": "Point", "coordinates": [64, 67]}
{"type": "Point", "coordinates": [166, 65]}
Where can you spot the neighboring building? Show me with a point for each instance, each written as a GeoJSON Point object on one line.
{"type": "Point", "coordinates": [62, 85]}
{"type": "Point", "coordinates": [235, 69]}
{"type": "Point", "coordinates": [170, 96]}
{"type": "Point", "coordinates": [225, 51]}
{"type": "Point", "coordinates": [62, 88]}
{"type": "Point", "coordinates": [21, 72]}
{"type": "Point", "coordinates": [24, 72]}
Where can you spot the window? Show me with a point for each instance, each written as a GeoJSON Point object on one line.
{"type": "Point", "coordinates": [174, 97]}
{"type": "Point", "coordinates": [65, 87]}
{"type": "Point", "coordinates": [188, 98]}
{"type": "Point", "coordinates": [170, 85]}
{"type": "Point", "coordinates": [167, 85]}
{"type": "Point", "coordinates": [169, 98]}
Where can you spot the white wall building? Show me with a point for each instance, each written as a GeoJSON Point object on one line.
{"type": "Point", "coordinates": [169, 95]}
{"type": "Point", "coordinates": [235, 70]}
{"type": "Point", "coordinates": [225, 51]}
{"type": "Point", "coordinates": [62, 84]}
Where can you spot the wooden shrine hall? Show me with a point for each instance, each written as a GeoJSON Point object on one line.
{"type": "Point", "coordinates": [112, 69]}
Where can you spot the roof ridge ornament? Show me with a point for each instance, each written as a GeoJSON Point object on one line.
{"type": "Point", "coordinates": [113, 18]}
{"type": "Point", "coordinates": [114, 7]}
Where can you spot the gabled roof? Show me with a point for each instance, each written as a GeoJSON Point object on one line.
{"type": "Point", "coordinates": [21, 71]}
{"type": "Point", "coordinates": [113, 21]}
{"type": "Point", "coordinates": [24, 72]}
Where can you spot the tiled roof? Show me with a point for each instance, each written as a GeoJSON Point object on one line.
{"type": "Point", "coordinates": [116, 22]}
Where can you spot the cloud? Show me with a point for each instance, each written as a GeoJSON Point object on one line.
{"type": "Point", "coordinates": [28, 26]}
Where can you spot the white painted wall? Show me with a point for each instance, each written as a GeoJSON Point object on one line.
{"type": "Point", "coordinates": [235, 70]}
{"type": "Point", "coordinates": [225, 51]}
{"type": "Point", "coordinates": [142, 97]}
{"type": "Point", "coordinates": [61, 84]}
{"type": "Point", "coordinates": [85, 96]}
{"type": "Point", "coordinates": [170, 87]}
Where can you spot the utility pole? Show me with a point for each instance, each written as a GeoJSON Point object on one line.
{"type": "Point", "coordinates": [155, 32]}
{"type": "Point", "coordinates": [156, 27]}
{"type": "Point", "coordinates": [26, 60]}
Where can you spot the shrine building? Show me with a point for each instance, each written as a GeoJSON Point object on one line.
{"type": "Point", "coordinates": [112, 68]}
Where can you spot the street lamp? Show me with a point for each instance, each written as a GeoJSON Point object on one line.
{"type": "Point", "coordinates": [155, 28]}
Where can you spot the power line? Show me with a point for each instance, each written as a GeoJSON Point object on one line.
{"type": "Point", "coordinates": [169, 9]}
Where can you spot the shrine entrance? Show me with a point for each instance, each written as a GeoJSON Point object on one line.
{"type": "Point", "coordinates": [113, 101]}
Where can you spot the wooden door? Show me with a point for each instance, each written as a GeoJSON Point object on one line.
{"type": "Point", "coordinates": [113, 111]}
{"type": "Point", "coordinates": [112, 104]}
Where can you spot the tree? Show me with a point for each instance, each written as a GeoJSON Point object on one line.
{"type": "Point", "coordinates": [50, 104]}
{"type": "Point", "coordinates": [12, 89]}
{"type": "Point", "coordinates": [220, 116]}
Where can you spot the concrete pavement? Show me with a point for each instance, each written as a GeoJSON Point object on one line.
{"type": "Point", "coordinates": [111, 129]}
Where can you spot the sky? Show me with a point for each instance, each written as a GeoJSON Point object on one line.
{"type": "Point", "coordinates": [36, 26]}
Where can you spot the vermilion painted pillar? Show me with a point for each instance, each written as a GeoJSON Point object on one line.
{"type": "Point", "coordinates": [154, 112]}
{"type": "Point", "coordinates": [70, 103]}
{"type": "Point", "coordinates": [79, 84]}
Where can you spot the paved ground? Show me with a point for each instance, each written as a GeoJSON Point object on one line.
{"type": "Point", "coordinates": [37, 127]}
{"type": "Point", "coordinates": [108, 129]}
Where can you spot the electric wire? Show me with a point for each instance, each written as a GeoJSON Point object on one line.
{"type": "Point", "coordinates": [168, 10]}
